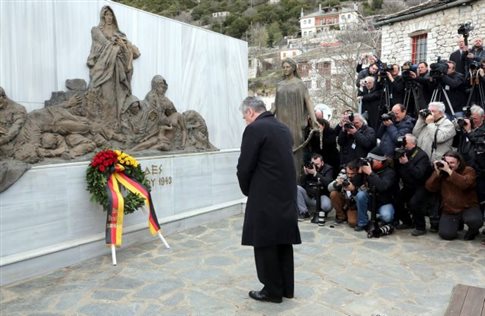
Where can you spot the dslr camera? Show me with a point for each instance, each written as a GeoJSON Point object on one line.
{"type": "Point", "coordinates": [384, 69]}
{"type": "Point", "coordinates": [364, 161]}
{"type": "Point", "coordinates": [424, 113]}
{"type": "Point", "coordinates": [460, 121]}
{"type": "Point", "coordinates": [388, 116]}
{"type": "Point", "coordinates": [309, 165]}
{"type": "Point", "coordinates": [401, 149]}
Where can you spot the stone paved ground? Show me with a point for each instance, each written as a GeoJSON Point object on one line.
{"type": "Point", "coordinates": [208, 272]}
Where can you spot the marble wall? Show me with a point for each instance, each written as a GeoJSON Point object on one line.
{"type": "Point", "coordinates": [43, 43]}
{"type": "Point", "coordinates": [48, 211]}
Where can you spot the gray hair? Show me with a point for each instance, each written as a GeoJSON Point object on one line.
{"type": "Point", "coordinates": [476, 109]}
{"type": "Point", "coordinates": [410, 138]}
{"type": "Point", "coordinates": [440, 106]}
{"type": "Point", "coordinates": [254, 103]}
{"type": "Point", "coordinates": [364, 121]}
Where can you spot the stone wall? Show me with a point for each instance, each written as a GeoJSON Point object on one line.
{"type": "Point", "coordinates": [441, 28]}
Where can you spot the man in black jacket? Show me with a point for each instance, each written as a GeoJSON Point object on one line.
{"type": "Point", "coordinates": [266, 174]}
{"type": "Point", "coordinates": [454, 84]}
{"type": "Point", "coordinates": [355, 139]}
{"type": "Point", "coordinates": [378, 179]}
{"type": "Point", "coordinates": [315, 180]}
{"type": "Point", "coordinates": [413, 168]}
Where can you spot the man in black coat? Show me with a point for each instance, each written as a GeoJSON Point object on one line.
{"type": "Point", "coordinates": [355, 139]}
{"type": "Point", "coordinates": [413, 168]}
{"type": "Point", "coordinates": [266, 175]}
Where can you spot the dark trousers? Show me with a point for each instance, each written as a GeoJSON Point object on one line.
{"type": "Point", "coordinates": [274, 265]}
{"type": "Point", "coordinates": [449, 223]}
{"type": "Point", "coordinates": [411, 201]}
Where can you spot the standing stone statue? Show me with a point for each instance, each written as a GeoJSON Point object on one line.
{"type": "Point", "coordinates": [110, 65]}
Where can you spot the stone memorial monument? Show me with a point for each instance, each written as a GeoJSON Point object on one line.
{"type": "Point", "coordinates": [104, 113]}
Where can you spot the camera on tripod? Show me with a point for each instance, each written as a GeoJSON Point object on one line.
{"type": "Point", "coordinates": [438, 69]}
{"type": "Point", "coordinates": [406, 69]}
{"type": "Point", "coordinates": [424, 113]}
{"type": "Point", "coordinates": [384, 69]}
{"type": "Point", "coordinates": [388, 116]}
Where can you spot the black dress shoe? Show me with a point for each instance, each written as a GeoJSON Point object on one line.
{"type": "Point", "coordinates": [261, 296]}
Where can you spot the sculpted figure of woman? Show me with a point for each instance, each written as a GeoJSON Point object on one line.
{"type": "Point", "coordinates": [292, 107]}
{"type": "Point", "coordinates": [110, 65]}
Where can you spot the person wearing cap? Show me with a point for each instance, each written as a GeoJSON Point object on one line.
{"type": "Point", "coordinates": [375, 176]}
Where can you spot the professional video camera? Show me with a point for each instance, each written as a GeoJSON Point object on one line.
{"type": "Point", "coordinates": [400, 150]}
{"type": "Point", "coordinates": [384, 69]}
{"type": "Point", "coordinates": [388, 116]}
{"type": "Point", "coordinates": [424, 113]}
{"type": "Point", "coordinates": [465, 29]}
{"type": "Point", "coordinates": [406, 69]}
{"type": "Point", "coordinates": [438, 69]}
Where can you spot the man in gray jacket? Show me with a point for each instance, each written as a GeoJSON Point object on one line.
{"type": "Point", "coordinates": [434, 131]}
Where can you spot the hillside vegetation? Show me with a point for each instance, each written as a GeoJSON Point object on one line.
{"type": "Point", "coordinates": [257, 21]}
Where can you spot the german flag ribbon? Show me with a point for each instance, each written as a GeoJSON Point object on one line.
{"type": "Point", "coordinates": [114, 222]}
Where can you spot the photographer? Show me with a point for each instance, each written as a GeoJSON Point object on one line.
{"type": "Point", "coordinates": [413, 168]}
{"type": "Point", "coordinates": [453, 84]}
{"type": "Point", "coordinates": [317, 175]}
{"type": "Point", "coordinates": [434, 131]}
{"type": "Point", "coordinates": [395, 86]}
{"type": "Point", "coordinates": [423, 84]}
{"type": "Point", "coordinates": [371, 98]}
{"type": "Point", "coordinates": [376, 177]}
{"type": "Point", "coordinates": [476, 53]}
{"type": "Point", "coordinates": [355, 139]}
{"type": "Point", "coordinates": [342, 193]}
{"type": "Point", "coordinates": [371, 59]}
{"type": "Point", "coordinates": [472, 148]}
{"type": "Point", "coordinates": [456, 183]}
{"type": "Point", "coordinates": [371, 71]}
{"type": "Point", "coordinates": [394, 124]}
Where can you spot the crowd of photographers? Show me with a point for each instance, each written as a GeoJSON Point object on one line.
{"type": "Point", "coordinates": [415, 149]}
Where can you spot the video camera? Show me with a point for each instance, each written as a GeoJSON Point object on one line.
{"type": "Point", "coordinates": [388, 116]}
{"type": "Point", "coordinates": [438, 69]}
{"type": "Point", "coordinates": [384, 69]}
{"type": "Point", "coordinates": [465, 29]}
{"type": "Point", "coordinates": [406, 69]}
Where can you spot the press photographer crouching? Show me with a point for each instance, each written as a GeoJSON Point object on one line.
{"type": "Point", "coordinates": [413, 168]}
{"type": "Point", "coordinates": [456, 184]}
{"type": "Point", "coordinates": [315, 180]}
{"type": "Point", "coordinates": [472, 147]}
{"type": "Point", "coordinates": [375, 177]}
{"type": "Point", "coordinates": [342, 193]}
